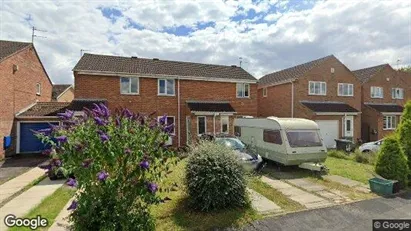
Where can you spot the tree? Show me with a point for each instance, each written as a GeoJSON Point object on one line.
{"type": "Point", "coordinates": [404, 133]}
{"type": "Point", "coordinates": [406, 69]}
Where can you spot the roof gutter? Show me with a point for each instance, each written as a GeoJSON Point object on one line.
{"type": "Point", "coordinates": [276, 83]}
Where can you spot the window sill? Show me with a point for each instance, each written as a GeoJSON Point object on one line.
{"type": "Point", "coordinates": [377, 97]}
{"type": "Point", "coordinates": [389, 129]}
{"type": "Point", "coordinates": [38, 94]}
{"type": "Point", "coordinates": [129, 94]}
{"type": "Point", "coordinates": [242, 97]}
{"type": "Point", "coordinates": [317, 94]}
{"type": "Point", "coordinates": [345, 95]}
{"type": "Point", "coordinates": [165, 95]}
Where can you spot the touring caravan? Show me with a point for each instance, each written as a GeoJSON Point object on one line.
{"type": "Point", "coordinates": [289, 141]}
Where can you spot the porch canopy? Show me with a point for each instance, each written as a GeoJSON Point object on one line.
{"type": "Point", "coordinates": [386, 108]}
{"type": "Point", "coordinates": [210, 107]}
{"type": "Point", "coordinates": [329, 107]}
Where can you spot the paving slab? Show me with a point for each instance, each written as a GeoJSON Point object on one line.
{"type": "Point", "coordinates": [304, 198]}
{"type": "Point", "coordinates": [18, 183]}
{"type": "Point", "coordinates": [61, 223]}
{"type": "Point", "coordinates": [362, 189]}
{"type": "Point", "coordinates": [342, 180]}
{"type": "Point", "coordinates": [307, 185]}
{"type": "Point", "coordinates": [263, 205]}
{"type": "Point", "coordinates": [29, 199]}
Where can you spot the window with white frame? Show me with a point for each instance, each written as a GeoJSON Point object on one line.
{"type": "Point", "coordinates": [166, 87]}
{"type": "Point", "coordinates": [397, 93]}
{"type": "Point", "coordinates": [243, 90]}
{"type": "Point", "coordinates": [169, 121]}
{"type": "Point", "coordinates": [377, 92]}
{"type": "Point", "coordinates": [345, 89]}
{"type": "Point", "coordinates": [201, 125]}
{"type": "Point", "coordinates": [129, 85]}
{"type": "Point", "coordinates": [389, 122]}
{"type": "Point", "coordinates": [264, 92]}
{"type": "Point", "coordinates": [38, 89]}
{"type": "Point", "coordinates": [317, 88]}
{"type": "Point", "coordinates": [224, 124]}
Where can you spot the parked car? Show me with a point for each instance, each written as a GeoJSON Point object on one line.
{"type": "Point", "coordinates": [288, 141]}
{"type": "Point", "coordinates": [371, 146]}
{"type": "Point", "coordinates": [250, 160]}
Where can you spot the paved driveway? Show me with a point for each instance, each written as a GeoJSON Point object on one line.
{"type": "Point", "coordinates": [355, 216]}
{"type": "Point", "coordinates": [14, 166]}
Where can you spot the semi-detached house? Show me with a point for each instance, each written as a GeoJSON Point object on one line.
{"type": "Point", "coordinates": [323, 90]}
{"type": "Point", "coordinates": [384, 93]}
{"type": "Point", "coordinates": [197, 98]}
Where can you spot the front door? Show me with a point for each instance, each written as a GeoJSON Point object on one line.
{"type": "Point", "coordinates": [188, 129]}
{"type": "Point", "coordinates": [348, 126]}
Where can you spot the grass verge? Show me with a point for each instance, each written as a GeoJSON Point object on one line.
{"type": "Point", "coordinates": [350, 169]}
{"type": "Point", "coordinates": [50, 206]}
{"type": "Point", "coordinates": [175, 214]}
{"type": "Point", "coordinates": [274, 195]}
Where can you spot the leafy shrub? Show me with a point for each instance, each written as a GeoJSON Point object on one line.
{"type": "Point", "coordinates": [404, 133]}
{"type": "Point", "coordinates": [338, 154]}
{"type": "Point", "coordinates": [391, 162]}
{"type": "Point", "coordinates": [117, 160]}
{"type": "Point", "coordinates": [365, 157]}
{"type": "Point", "coordinates": [214, 177]}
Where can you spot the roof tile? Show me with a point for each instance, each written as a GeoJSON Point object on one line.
{"type": "Point", "coordinates": [366, 74]}
{"type": "Point", "coordinates": [8, 48]}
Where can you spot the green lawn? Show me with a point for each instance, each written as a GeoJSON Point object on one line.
{"type": "Point", "coordinates": [350, 169]}
{"type": "Point", "coordinates": [176, 215]}
{"type": "Point", "coordinates": [51, 206]}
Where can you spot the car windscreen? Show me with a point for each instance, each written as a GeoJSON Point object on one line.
{"type": "Point", "coordinates": [231, 143]}
{"type": "Point", "coordinates": [303, 138]}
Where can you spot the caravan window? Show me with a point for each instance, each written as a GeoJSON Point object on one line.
{"type": "Point", "coordinates": [303, 139]}
{"type": "Point", "coordinates": [272, 136]}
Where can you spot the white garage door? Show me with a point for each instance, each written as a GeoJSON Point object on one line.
{"type": "Point", "coordinates": [329, 131]}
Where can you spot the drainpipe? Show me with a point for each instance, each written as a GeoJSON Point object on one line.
{"type": "Point", "coordinates": [292, 99]}
{"type": "Point", "coordinates": [179, 111]}
{"type": "Point", "coordinates": [215, 114]}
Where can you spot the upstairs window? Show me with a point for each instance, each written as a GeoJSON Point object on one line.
{"type": "Point", "coordinates": [243, 90]}
{"type": "Point", "coordinates": [264, 92]}
{"type": "Point", "coordinates": [166, 87]}
{"type": "Point", "coordinates": [38, 89]}
{"type": "Point", "coordinates": [345, 89]}
{"type": "Point", "coordinates": [397, 93]}
{"type": "Point", "coordinates": [377, 92]}
{"type": "Point", "coordinates": [129, 85]}
{"type": "Point", "coordinates": [317, 88]}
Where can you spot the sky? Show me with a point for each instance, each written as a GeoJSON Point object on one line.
{"type": "Point", "coordinates": [267, 35]}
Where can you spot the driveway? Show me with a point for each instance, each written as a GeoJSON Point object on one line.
{"type": "Point", "coordinates": [16, 165]}
{"type": "Point", "coordinates": [354, 216]}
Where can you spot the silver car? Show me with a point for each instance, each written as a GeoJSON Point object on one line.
{"type": "Point", "coordinates": [371, 146]}
{"type": "Point", "coordinates": [249, 160]}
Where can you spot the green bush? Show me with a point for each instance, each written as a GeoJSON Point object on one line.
{"type": "Point", "coordinates": [214, 177]}
{"type": "Point", "coordinates": [391, 161]}
{"type": "Point", "coordinates": [365, 157]}
{"type": "Point", "coordinates": [338, 154]}
{"type": "Point", "coordinates": [404, 133]}
{"type": "Point", "coordinates": [117, 160]}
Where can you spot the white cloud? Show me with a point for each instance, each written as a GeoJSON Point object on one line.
{"type": "Point", "coordinates": [360, 33]}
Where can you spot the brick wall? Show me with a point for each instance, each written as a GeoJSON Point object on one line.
{"type": "Point", "coordinates": [19, 89]}
{"type": "Point", "coordinates": [147, 101]}
{"type": "Point", "coordinates": [276, 103]}
{"type": "Point", "coordinates": [68, 96]}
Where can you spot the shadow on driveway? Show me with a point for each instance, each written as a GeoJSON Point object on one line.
{"type": "Point", "coordinates": [18, 164]}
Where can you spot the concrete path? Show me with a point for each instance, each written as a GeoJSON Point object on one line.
{"type": "Point", "coordinates": [333, 195]}
{"type": "Point", "coordinates": [306, 199]}
{"type": "Point", "coordinates": [263, 205]}
{"type": "Point", "coordinates": [18, 183]}
{"type": "Point", "coordinates": [348, 182]}
{"type": "Point", "coordinates": [61, 223]}
{"type": "Point", "coordinates": [16, 165]}
{"type": "Point", "coordinates": [354, 216]}
{"type": "Point", "coordinates": [28, 200]}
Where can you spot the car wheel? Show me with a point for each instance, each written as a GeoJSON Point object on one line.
{"type": "Point", "coordinates": [366, 151]}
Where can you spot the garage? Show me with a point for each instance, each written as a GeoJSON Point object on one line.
{"type": "Point", "coordinates": [329, 131]}
{"type": "Point", "coordinates": [27, 142]}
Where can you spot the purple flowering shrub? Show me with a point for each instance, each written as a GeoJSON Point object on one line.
{"type": "Point", "coordinates": [117, 160]}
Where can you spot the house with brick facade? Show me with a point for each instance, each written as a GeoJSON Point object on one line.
{"type": "Point", "coordinates": [24, 82]}
{"type": "Point", "coordinates": [63, 92]}
{"type": "Point", "coordinates": [197, 98]}
{"type": "Point", "coordinates": [384, 93]}
{"type": "Point", "coordinates": [323, 90]}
